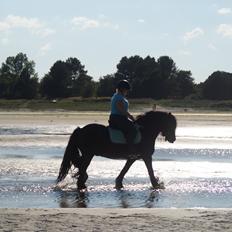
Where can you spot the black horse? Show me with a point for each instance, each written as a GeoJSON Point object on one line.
{"type": "Point", "coordinates": [94, 139]}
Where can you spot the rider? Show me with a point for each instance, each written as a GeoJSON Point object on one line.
{"type": "Point", "coordinates": [120, 118]}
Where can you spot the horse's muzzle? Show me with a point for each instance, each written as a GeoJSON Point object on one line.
{"type": "Point", "coordinates": [170, 140]}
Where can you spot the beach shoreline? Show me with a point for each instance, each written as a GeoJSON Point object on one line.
{"type": "Point", "coordinates": [107, 219]}
{"type": "Point", "coordinates": [100, 219]}
{"type": "Point", "coordinates": [85, 117]}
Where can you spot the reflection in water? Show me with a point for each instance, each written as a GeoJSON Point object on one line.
{"type": "Point", "coordinates": [122, 198]}
{"type": "Point", "coordinates": [73, 199]}
{"type": "Point", "coordinates": [152, 199]}
{"type": "Point", "coordinates": [126, 197]}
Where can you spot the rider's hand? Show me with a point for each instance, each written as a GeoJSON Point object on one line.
{"type": "Point", "coordinates": [131, 117]}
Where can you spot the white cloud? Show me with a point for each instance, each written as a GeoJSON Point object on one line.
{"type": "Point", "coordinates": [44, 49]}
{"type": "Point", "coordinates": [141, 21]}
{"type": "Point", "coordinates": [87, 23]}
{"type": "Point", "coordinates": [196, 32]}
{"type": "Point", "coordinates": [224, 11]}
{"type": "Point", "coordinates": [23, 22]}
{"type": "Point", "coordinates": [45, 32]}
{"type": "Point", "coordinates": [225, 30]}
{"type": "Point", "coordinates": [32, 24]}
{"type": "Point", "coordinates": [4, 26]}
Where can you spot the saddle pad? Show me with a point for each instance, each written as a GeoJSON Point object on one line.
{"type": "Point", "coordinates": [116, 136]}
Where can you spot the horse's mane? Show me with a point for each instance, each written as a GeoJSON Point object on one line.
{"type": "Point", "coordinates": [150, 114]}
{"type": "Point", "coordinates": [142, 115]}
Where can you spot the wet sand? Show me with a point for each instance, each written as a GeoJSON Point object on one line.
{"type": "Point", "coordinates": [52, 117]}
{"type": "Point", "coordinates": [116, 220]}
{"type": "Point", "coordinates": [82, 118]}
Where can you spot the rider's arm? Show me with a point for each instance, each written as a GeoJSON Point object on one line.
{"type": "Point", "coordinates": [121, 108]}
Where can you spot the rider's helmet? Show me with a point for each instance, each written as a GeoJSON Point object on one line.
{"type": "Point", "coordinates": [123, 84]}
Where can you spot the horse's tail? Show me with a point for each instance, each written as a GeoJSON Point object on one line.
{"type": "Point", "coordinates": [71, 155]}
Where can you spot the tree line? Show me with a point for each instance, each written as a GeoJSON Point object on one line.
{"type": "Point", "coordinates": [149, 78]}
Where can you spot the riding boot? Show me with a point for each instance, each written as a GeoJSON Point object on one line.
{"type": "Point", "coordinates": [130, 137]}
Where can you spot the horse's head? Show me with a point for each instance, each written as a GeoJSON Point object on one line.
{"type": "Point", "coordinates": [160, 122]}
{"type": "Point", "coordinates": [168, 129]}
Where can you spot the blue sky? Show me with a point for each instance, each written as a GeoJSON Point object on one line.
{"type": "Point", "coordinates": [197, 35]}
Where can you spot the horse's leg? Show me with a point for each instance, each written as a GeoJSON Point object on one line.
{"type": "Point", "coordinates": [118, 181]}
{"type": "Point", "coordinates": [83, 176]}
{"type": "Point", "coordinates": [153, 179]}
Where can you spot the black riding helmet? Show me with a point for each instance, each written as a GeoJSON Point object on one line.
{"type": "Point", "coordinates": [123, 84]}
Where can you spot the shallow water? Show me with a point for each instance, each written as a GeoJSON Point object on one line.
{"type": "Point", "coordinates": [196, 170]}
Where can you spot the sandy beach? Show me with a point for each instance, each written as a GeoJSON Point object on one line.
{"type": "Point", "coordinates": [52, 117]}
{"type": "Point", "coordinates": [106, 219]}
{"type": "Point", "coordinates": [115, 220]}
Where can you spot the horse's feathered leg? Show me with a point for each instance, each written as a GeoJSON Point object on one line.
{"type": "Point", "coordinates": [71, 155]}
{"type": "Point", "coordinates": [119, 179]}
{"type": "Point", "coordinates": [153, 179]}
{"type": "Point", "coordinates": [83, 176]}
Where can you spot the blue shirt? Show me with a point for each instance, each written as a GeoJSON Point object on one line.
{"type": "Point", "coordinates": [115, 98]}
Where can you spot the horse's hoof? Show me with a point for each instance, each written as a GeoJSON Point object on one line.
{"type": "Point", "coordinates": [118, 187]}
{"type": "Point", "coordinates": [159, 185]}
{"type": "Point", "coordinates": [82, 191]}
{"type": "Point", "coordinates": [81, 187]}
{"type": "Point", "coordinates": [118, 184]}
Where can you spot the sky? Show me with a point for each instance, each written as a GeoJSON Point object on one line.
{"type": "Point", "coordinates": [196, 34]}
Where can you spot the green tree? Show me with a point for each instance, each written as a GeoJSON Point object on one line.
{"type": "Point", "coordinates": [18, 78]}
{"type": "Point", "coordinates": [218, 86]}
{"type": "Point", "coordinates": [180, 84]}
{"type": "Point", "coordinates": [106, 86]}
{"type": "Point", "coordinates": [77, 77]}
{"type": "Point", "coordinates": [141, 73]}
{"type": "Point", "coordinates": [149, 78]}
{"type": "Point", "coordinates": [167, 74]}
{"type": "Point", "coordinates": [130, 68]}
{"type": "Point", "coordinates": [56, 84]}
{"type": "Point", "coordinates": [84, 86]}
{"type": "Point", "coordinates": [166, 67]}
{"type": "Point", "coordinates": [66, 79]}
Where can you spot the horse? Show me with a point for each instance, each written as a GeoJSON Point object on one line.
{"type": "Point", "coordinates": [94, 140]}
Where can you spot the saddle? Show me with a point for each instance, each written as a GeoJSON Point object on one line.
{"type": "Point", "coordinates": [117, 136]}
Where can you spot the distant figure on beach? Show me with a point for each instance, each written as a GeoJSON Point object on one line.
{"type": "Point", "coordinates": [154, 107]}
{"type": "Point", "coordinates": [120, 118]}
